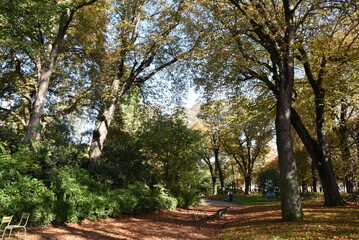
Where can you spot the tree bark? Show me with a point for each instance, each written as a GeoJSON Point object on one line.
{"type": "Point", "coordinates": [344, 147]}
{"type": "Point", "coordinates": [322, 163]}
{"type": "Point", "coordinates": [213, 175]}
{"type": "Point", "coordinates": [319, 150]}
{"type": "Point", "coordinates": [100, 132]}
{"type": "Point", "coordinates": [38, 105]}
{"type": "Point", "coordinates": [219, 169]}
{"type": "Point", "coordinates": [247, 185]}
{"type": "Point", "coordinates": [290, 198]}
{"type": "Point", "coordinates": [314, 179]}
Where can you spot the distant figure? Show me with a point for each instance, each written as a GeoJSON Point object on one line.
{"type": "Point", "coordinates": [230, 196]}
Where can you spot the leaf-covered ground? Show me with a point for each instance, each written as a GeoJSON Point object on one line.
{"type": "Point", "coordinates": [264, 222]}
{"type": "Point", "coordinates": [240, 222]}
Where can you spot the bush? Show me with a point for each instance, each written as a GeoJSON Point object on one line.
{"type": "Point", "coordinates": [123, 164]}
{"type": "Point", "coordinates": [151, 200]}
{"type": "Point", "coordinates": [10, 138]}
{"type": "Point", "coordinates": [26, 194]}
{"type": "Point", "coordinates": [38, 182]}
{"type": "Point", "coordinates": [80, 197]}
{"type": "Point", "coordinates": [186, 198]}
{"type": "Point", "coordinates": [21, 161]}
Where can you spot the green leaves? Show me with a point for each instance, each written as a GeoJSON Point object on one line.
{"type": "Point", "coordinates": [172, 148]}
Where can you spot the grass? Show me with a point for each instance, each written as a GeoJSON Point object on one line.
{"type": "Point", "coordinates": [254, 199]}
{"type": "Point", "coordinates": [259, 219]}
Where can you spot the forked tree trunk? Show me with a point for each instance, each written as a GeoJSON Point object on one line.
{"type": "Point", "coordinates": [319, 150]}
{"type": "Point", "coordinates": [127, 43]}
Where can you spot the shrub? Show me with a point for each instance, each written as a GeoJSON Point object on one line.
{"type": "Point", "coordinates": [151, 200]}
{"type": "Point", "coordinates": [186, 198]}
{"type": "Point", "coordinates": [38, 182]}
{"type": "Point", "coordinates": [80, 197]}
{"type": "Point", "coordinates": [123, 164]}
{"type": "Point", "coordinates": [26, 194]}
{"type": "Point", "coordinates": [21, 161]}
{"type": "Point", "coordinates": [10, 138]}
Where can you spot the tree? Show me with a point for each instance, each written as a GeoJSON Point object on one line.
{"type": "Point", "coordinates": [194, 122]}
{"type": "Point", "coordinates": [211, 167]}
{"type": "Point", "coordinates": [172, 149]}
{"type": "Point", "coordinates": [249, 62]}
{"type": "Point", "coordinates": [211, 114]}
{"type": "Point", "coordinates": [271, 38]}
{"type": "Point", "coordinates": [246, 135]}
{"type": "Point", "coordinates": [144, 45]}
{"type": "Point", "coordinates": [38, 31]}
{"type": "Point", "coordinates": [320, 53]}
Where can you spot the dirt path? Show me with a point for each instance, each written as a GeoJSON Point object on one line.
{"type": "Point", "coordinates": [178, 224]}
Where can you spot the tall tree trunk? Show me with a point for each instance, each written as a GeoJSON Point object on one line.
{"type": "Point", "coordinates": [100, 132]}
{"type": "Point", "coordinates": [290, 198]}
{"type": "Point", "coordinates": [38, 105]}
{"type": "Point", "coordinates": [319, 150]}
{"type": "Point", "coordinates": [247, 185]}
{"type": "Point", "coordinates": [322, 163]}
{"type": "Point", "coordinates": [327, 172]}
{"type": "Point", "coordinates": [344, 147]}
{"type": "Point", "coordinates": [213, 175]}
{"type": "Point", "coordinates": [219, 169]}
{"type": "Point", "coordinates": [314, 179]}
{"type": "Point", "coordinates": [280, 47]}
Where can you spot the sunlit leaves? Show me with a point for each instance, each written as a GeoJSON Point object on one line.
{"type": "Point", "coordinates": [172, 148]}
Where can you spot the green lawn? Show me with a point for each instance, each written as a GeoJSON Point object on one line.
{"type": "Point", "coordinates": [253, 199]}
